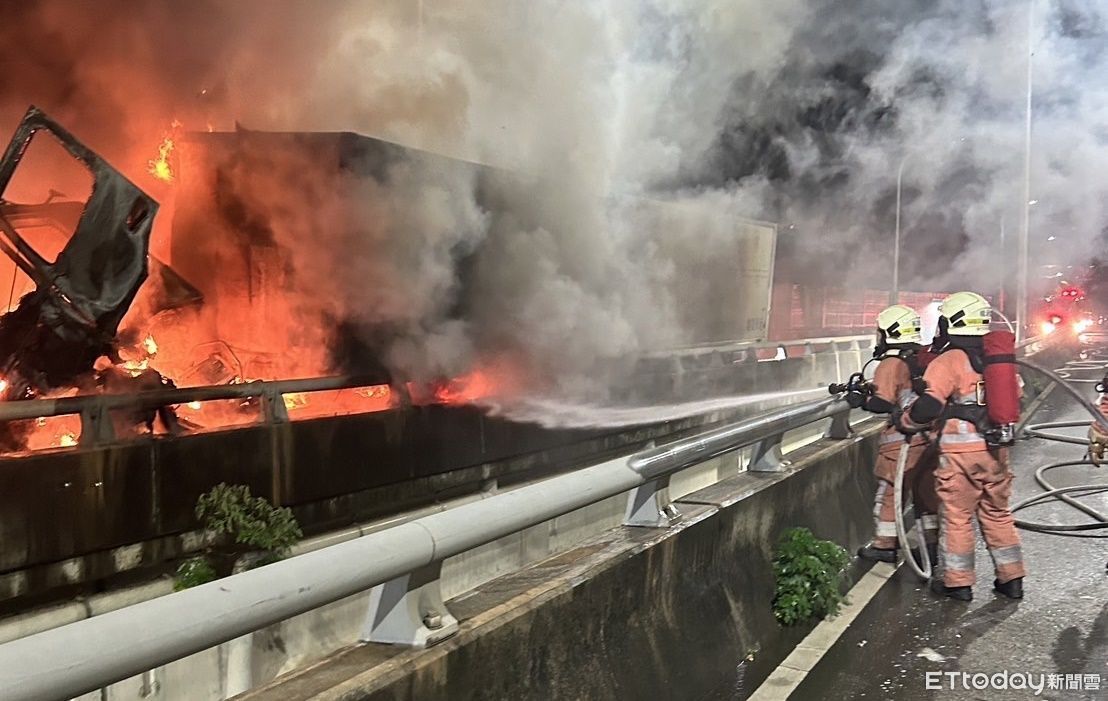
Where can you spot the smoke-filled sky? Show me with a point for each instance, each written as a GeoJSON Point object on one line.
{"type": "Point", "coordinates": [789, 111]}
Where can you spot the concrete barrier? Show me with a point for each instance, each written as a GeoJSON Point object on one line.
{"type": "Point", "coordinates": [629, 613]}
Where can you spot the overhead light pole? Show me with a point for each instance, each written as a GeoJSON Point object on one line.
{"type": "Point", "coordinates": [1004, 258]}
{"type": "Point", "coordinates": [1025, 210]}
{"type": "Point", "coordinates": [894, 294]}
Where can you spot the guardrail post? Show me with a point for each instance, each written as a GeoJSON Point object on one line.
{"type": "Point", "coordinates": [150, 684]}
{"type": "Point", "coordinates": [409, 610]}
{"type": "Point", "coordinates": [766, 455]}
{"type": "Point", "coordinates": [840, 428]}
{"type": "Point", "coordinates": [649, 505]}
{"type": "Point", "coordinates": [1033, 408]}
{"type": "Point", "coordinates": [273, 407]}
{"type": "Point", "coordinates": [96, 426]}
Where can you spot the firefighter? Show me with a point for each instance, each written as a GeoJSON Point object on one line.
{"type": "Point", "coordinates": [899, 342]}
{"type": "Point", "coordinates": [973, 479]}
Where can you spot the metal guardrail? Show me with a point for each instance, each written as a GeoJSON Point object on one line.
{"type": "Point", "coordinates": [855, 342]}
{"type": "Point", "coordinates": [401, 564]}
{"type": "Point", "coordinates": [94, 409]}
{"type": "Point", "coordinates": [97, 428]}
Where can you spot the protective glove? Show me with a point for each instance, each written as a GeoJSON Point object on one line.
{"type": "Point", "coordinates": [855, 400]}
{"type": "Point", "coordinates": [919, 386]}
{"type": "Point", "coordinates": [1098, 444]}
{"type": "Point", "coordinates": [902, 423]}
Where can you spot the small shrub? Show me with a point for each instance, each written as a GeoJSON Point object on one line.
{"type": "Point", "coordinates": [240, 523]}
{"type": "Point", "coordinates": [249, 521]}
{"type": "Point", "coordinates": [809, 572]}
{"type": "Point", "coordinates": [194, 572]}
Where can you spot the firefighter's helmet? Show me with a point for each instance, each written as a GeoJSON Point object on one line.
{"type": "Point", "coordinates": [966, 314]}
{"type": "Point", "coordinates": [900, 325]}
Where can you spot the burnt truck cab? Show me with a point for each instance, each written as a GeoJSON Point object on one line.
{"type": "Point", "coordinates": [58, 330]}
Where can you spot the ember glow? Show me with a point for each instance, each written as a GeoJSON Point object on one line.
{"type": "Point", "coordinates": [341, 402]}
{"type": "Point", "coordinates": [137, 367]}
{"type": "Point", "coordinates": [295, 400]}
{"type": "Point", "coordinates": [54, 432]}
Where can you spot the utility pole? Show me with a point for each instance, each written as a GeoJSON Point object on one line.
{"type": "Point", "coordinates": [1022, 322]}
{"type": "Point", "coordinates": [894, 294]}
{"type": "Point", "coordinates": [1003, 301]}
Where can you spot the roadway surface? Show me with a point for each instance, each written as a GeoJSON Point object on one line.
{"type": "Point", "coordinates": [1059, 628]}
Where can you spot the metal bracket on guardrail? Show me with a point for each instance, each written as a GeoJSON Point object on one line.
{"type": "Point", "coordinates": [409, 610]}
{"type": "Point", "coordinates": [273, 407]}
{"type": "Point", "coordinates": [150, 684]}
{"type": "Point", "coordinates": [1033, 408]}
{"type": "Point", "coordinates": [96, 426]}
{"type": "Point", "coordinates": [649, 505]}
{"type": "Point", "coordinates": [766, 455]}
{"type": "Point", "coordinates": [840, 428]}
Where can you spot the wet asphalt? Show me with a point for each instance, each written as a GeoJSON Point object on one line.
{"type": "Point", "coordinates": [1059, 628]}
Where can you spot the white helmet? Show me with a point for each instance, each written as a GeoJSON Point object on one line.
{"type": "Point", "coordinates": [900, 325]}
{"type": "Point", "coordinates": [966, 314]}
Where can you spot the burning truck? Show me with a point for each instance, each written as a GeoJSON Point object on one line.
{"type": "Point", "coordinates": [91, 311]}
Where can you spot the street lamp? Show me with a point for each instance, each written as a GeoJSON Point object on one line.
{"type": "Point", "coordinates": [894, 295]}
{"type": "Point", "coordinates": [1025, 210]}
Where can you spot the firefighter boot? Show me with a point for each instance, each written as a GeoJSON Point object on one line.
{"type": "Point", "coordinates": [873, 554]}
{"type": "Point", "coordinates": [956, 593]}
{"type": "Point", "coordinates": [1013, 589]}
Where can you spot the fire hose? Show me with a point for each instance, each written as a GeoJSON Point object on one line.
{"type": "Point", "coordinates": [923, 568]}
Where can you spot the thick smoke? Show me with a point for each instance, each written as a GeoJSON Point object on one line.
{"type": "Point", "coordinates": [793, 112]}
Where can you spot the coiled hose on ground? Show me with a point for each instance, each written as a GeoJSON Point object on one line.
{"type": "Point", "coordinates": [1086, 371]}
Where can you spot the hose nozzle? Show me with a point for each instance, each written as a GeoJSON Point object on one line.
{"type": "Point", "coordinates": [856, 389]}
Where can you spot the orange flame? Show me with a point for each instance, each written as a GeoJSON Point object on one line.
{"type": "Point", "coordinates": [159, 167]}
{"type": "Point", "coordinates": [136, 367]}
{"type": "Point", "coordinates": [465, 389]}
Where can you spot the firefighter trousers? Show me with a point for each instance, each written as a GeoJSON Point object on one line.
{"type": "Point", "coordinates": [976, 484]}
